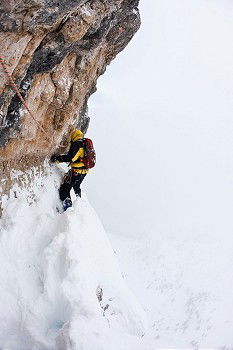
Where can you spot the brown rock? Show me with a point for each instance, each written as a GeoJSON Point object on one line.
{"type": "Point", "coordinates": [74, 29]}
{"type": "Point", "coordinates": [12, 47]}
{"type": "Point", "coordinates": [55, 52]}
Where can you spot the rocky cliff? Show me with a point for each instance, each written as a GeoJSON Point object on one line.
{"type": "Point", "coordinates": [55, 51]}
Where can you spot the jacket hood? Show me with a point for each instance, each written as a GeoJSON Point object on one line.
{"type": "Point", "coordinates": [76, 135]}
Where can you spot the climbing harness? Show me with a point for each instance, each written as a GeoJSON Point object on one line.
{"type": "Point", "coordinates": [15, 88]}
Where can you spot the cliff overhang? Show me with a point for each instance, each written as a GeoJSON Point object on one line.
{"type": "Point", "coordinates": [55, 52]}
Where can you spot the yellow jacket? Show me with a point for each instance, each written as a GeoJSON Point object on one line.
{"type": "Point", "coordinates": [76, 153]}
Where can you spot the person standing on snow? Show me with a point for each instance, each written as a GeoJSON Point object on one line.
{"type": "Point", "coordinates": [75, 176]}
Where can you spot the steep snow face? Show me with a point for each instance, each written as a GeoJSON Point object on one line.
{"type": "Point", "coordinates": [61, 287]}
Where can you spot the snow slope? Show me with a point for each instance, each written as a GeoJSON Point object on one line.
{"type": "Point", "coordinates": [61, 287]}
{"type": "Point", "coordinates": [184, 285]}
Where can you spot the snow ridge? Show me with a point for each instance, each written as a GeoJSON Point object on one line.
{"type": "Point", "coordinates": [61, 287]}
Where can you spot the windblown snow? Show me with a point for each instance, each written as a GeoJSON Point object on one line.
{"type": "Point", "coordinates": [61, 287]}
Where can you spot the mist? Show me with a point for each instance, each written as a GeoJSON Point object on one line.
{"type": "Point", "coordinates": [162, 124]}
{"type": "Point", "coordinates": [163, 185]}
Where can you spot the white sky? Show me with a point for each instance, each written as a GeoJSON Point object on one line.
{"type": "Point", "coordinates": [162, 124]}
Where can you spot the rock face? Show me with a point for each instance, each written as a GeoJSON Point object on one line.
{"type": "Point", "coordinates": [55, 51]}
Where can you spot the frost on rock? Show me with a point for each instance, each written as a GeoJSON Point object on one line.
{"type": "Point", "coordinates": [61, 287]}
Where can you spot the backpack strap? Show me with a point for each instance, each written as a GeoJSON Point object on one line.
{"type": "Point", "coordinates": [77, 149]}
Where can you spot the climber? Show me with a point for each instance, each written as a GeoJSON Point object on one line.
{"type": "Point", "coordinates": [75, 176]}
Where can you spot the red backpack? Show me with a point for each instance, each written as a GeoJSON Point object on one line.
{"type": "Point", "coordinates": [89, 159]}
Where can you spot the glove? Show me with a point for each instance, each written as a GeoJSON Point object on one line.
{"type": "Point", "coordinates": [53, 158]}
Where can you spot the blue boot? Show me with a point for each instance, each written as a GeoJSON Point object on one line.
{"type": "Point", "coordinates": [67, 203]}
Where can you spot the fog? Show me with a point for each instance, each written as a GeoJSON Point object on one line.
{"type": "Point", "coordinates": [163, 185]}
{"type": "Point", "coordinates": [162, 124]}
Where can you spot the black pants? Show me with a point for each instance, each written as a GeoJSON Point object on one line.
{"type": "Point", "coordinates": [71, 179]}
